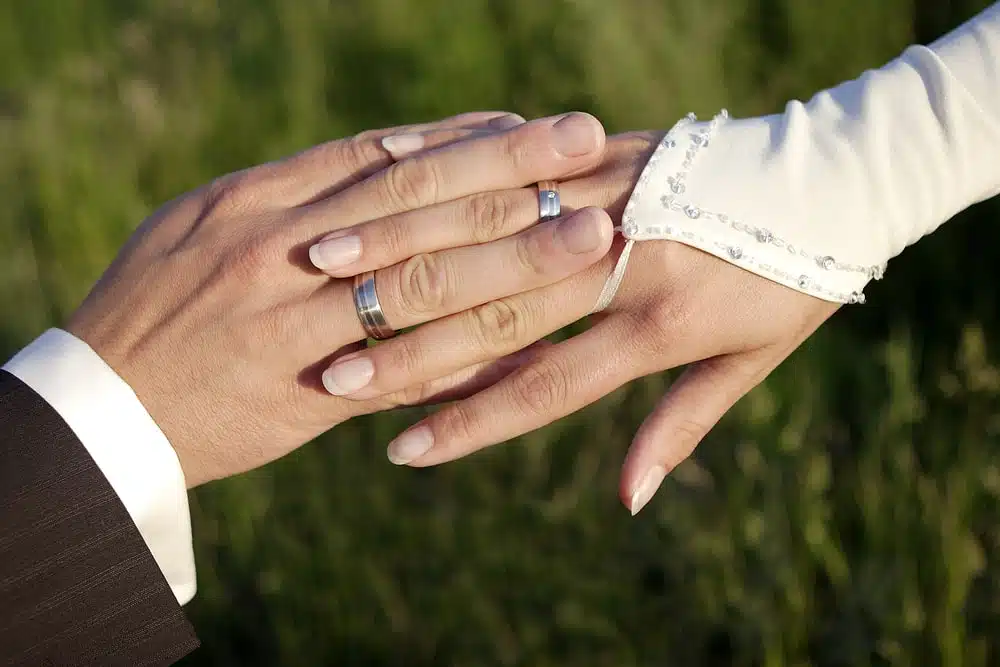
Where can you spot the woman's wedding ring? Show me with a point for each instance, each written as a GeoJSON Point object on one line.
{"type": "Point", "coordinates": [548, 201]}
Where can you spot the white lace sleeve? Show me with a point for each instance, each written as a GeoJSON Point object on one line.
{"type": "Point", "coordinates": [820, 197]}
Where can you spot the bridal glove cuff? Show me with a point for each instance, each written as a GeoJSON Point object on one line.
{"type": "Point", "coordinates": [820, 197]}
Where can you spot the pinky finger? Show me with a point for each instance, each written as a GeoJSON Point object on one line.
{"type": "Point", "coordinates": [692, 407]}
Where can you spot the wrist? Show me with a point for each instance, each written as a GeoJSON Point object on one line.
{"type": "Point", "coordinates": [110, 347]}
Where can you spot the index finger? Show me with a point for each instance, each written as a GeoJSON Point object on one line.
{"type": "Point", "coordinates": [549, 148]}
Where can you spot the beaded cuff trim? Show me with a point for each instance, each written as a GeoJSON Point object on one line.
{"type": "Point", "coordinates": [810, 283]}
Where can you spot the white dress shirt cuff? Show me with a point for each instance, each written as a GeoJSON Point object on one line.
{"type": "Point", "coordinates": [127, 445]}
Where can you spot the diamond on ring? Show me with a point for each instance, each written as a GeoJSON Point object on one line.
{"type": "Point", "coordinates": [549, 207]}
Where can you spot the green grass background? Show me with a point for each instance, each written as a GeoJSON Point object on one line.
{"type": "Point", "coordinates": [846, 513]}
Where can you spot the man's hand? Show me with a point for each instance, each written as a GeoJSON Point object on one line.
{"type": "Point", "coordinates": [216, 318]}
{"type": "Point", "coordinates": [677, 306]}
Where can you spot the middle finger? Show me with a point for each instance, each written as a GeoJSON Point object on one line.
{"type": "Point", "coordinates": [431, 286]}
{"type": "Point", "coordinates": [471, 220]}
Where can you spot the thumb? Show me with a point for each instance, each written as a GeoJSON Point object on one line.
{"type": "Point", "coordinates": [695, 403]}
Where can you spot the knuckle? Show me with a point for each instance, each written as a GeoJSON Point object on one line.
{"type": "Point", "coordinates": [228, 194]}
{"type": "Point", "coordinates": [361, 151]}
{"type": "Point", "coordinates": [499, 325]}
{"type": "Point", "coordinates": [490, 215]}
{"type": "Point", "coordinates": [687, 433]}
{"type": "Point", "coordinates": [456, 423]}
{"type": "Point", "coordinates": [660, 324]}
{"type": "Point", "coordinates": [412, 184]}
{"type": "Point", "coordinates": [423, 285]}
{"type": "Point", "coordinates": [541, 388]}
{"type": "Point", "coordinates": [530, 254]}
{"type": "Point", "coordinates": [400, 358]}
{"type": "Point", "coordinates": [393, 239]}
{"type": "Point", "coordinates": [517, 150]}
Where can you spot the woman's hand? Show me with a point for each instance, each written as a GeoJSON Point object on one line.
{"type": "Point", "coordinates": [676, 306]}
{"type": "Point", "coordinates": [217, 320]}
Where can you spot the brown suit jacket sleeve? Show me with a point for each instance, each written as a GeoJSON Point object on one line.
{"type": "Point", "coordinates": [77, 584]}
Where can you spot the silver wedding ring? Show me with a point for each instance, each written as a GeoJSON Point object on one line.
{"type": "Point", "coordinates": [548, 201]}
{"type": "Point", "coordinates": [369, 311]}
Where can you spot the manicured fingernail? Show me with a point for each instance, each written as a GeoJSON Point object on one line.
{"type": "Point", "coordinates": [410, 446]}
{"type": "Point", "coordinates": [644, 491]}
{"type": "Point", "coordinates": [576, 134]}
{"type": "Point", "coordinates": [580, 233]}
{"type": "Point", "coordinates": [335, 253]}
{"type": "Point", "coordinates": [507, 121]}
{"type": "Point", "coordinates": [403, 144]}
{"type": "Point", "coordinates": [348, 375]}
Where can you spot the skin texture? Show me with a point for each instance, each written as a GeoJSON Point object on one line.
{"type": "Point", "coordinates": [216, 318]}
{"type": "Point", "coordinates": [677, 306]}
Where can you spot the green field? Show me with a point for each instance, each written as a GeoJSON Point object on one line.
{"type": "Point", "coordinates": [847, 512]}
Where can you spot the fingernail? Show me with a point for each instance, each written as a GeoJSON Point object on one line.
{"type": "Point", "coordinates": [335, 253]}
{"type": "Point", "coordinates": [580, 233]}
{"type": "Point", "coordinates": [410, 446]}
{"type": "Point", "coordinates": [646, 488]}
{"type": "Point", "coordinates": [576, 134]}
{"type": "Point", "coordinates": [403, 144]}
{"type": "Point", "coordinates": [507, 121]}
{"type": "Point", "coordinates": [348, 375]}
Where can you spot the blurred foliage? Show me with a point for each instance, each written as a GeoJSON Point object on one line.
{"type": "Point", "coordinates": [846, 513]}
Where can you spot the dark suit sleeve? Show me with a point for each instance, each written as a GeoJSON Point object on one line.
{"type": "Point", "coordinates": [77, 584]}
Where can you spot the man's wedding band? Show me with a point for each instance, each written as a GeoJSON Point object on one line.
{"type": "Point", "coordinates": [548, 201]}
{"type": "Point", "coordinates": [369, 311]}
